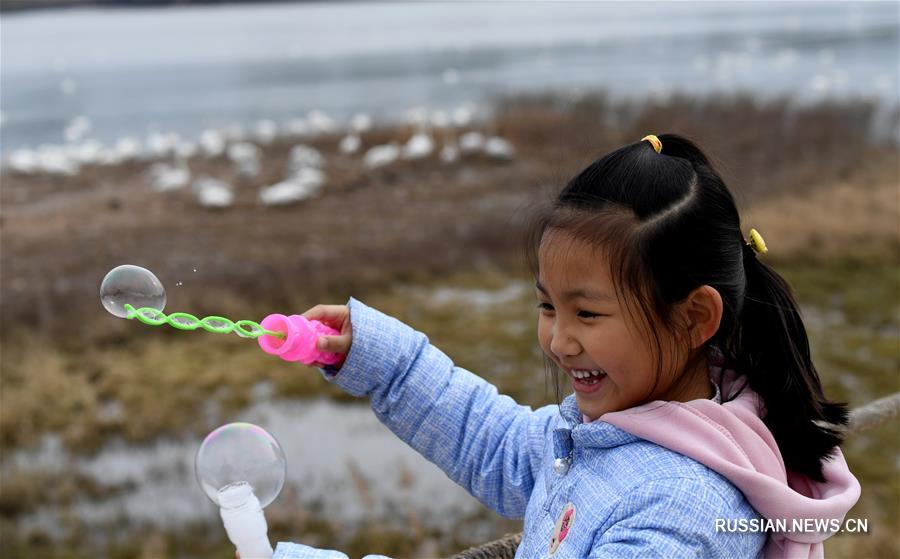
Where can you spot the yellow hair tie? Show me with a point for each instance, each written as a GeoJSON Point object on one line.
{"type": "Point", "coordinates": [654, 141]}
{"type": "Point", "coordinates": [757, 243]}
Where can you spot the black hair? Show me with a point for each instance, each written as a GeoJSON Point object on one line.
{"type": "Point", "coordinates": [668, 224]}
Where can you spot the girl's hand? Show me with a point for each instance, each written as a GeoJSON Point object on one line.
{"type": "Point", "coordinates": [338, 317]}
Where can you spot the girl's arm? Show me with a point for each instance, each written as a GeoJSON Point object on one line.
{"type": "Point", "coordinates": [484, 441]}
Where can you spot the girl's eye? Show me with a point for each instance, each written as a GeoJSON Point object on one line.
{"type": "Point", "coordinates": [583, 314]}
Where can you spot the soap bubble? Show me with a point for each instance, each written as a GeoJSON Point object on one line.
{"type": "Point", "coordinates": [240, 453]}
{"type": "Point", "coordinates": [133, 285]}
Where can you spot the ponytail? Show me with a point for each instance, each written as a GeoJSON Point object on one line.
{"type": "Point", "coordinates": [772, 350]}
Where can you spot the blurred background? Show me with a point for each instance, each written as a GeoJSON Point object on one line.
{"type": "Point", "coordinates": [265, 157]}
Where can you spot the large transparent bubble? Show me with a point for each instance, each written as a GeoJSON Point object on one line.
{"type": "Point", "coordinates": [133, 285]}
{"type": "Point", "coordinates": [240, 453]}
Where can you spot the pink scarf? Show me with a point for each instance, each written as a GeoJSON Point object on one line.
{"type": "Point", "coordinates": [733, 441]}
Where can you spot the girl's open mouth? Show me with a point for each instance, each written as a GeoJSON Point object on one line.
{"type": "Point", "coordinates": [586, 381]}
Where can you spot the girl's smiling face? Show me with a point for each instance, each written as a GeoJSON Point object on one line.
{"type": "Point", "coordinates": [583, 326]}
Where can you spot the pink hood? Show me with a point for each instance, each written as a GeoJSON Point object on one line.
{"type": "Point", "coordinates": [732, 440]}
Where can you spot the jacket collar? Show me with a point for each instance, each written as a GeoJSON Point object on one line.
{"type": "Point", "coordinates": [596, 434]}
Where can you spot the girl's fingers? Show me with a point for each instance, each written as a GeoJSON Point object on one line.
{"type": "Point", "coordinates": [337, 317]}
{"type": "Point", "coordinates": [331, 315]}
{"type": "Point", "coordinates": [325, 311]}
{"type": "Point", "coordinates": [334, 344]}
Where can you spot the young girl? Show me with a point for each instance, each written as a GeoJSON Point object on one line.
{"type": "Point", "coordinates": [698, 426]}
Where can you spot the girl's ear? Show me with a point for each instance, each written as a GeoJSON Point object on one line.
{"type": "Point", "coordinates": [702, 313]}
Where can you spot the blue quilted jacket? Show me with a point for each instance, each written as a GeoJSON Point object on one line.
{"type": "Point", "coordinates": [585, 490]}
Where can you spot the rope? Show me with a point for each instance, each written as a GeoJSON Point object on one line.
{"type": "Point", "coordinates": [874, 414]}
{"type": "Point", "coordinates": [862, 419]}
{"type": "Point", "coordinates": [503, 548]}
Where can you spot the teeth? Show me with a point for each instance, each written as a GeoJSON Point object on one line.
{"type": "Point", "coordinates": [579, 373]}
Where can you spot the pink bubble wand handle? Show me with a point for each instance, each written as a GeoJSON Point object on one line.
{"type": "Point", "coordinates": [300, 342]}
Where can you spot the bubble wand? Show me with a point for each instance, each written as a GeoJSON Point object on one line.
{"type": "Point", "coordinates": [185, 321]}
{"type": "Point", "coordinates": [292, 338]}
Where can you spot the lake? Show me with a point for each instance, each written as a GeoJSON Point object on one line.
{"type": "Point", "coordinates": [106, 74]}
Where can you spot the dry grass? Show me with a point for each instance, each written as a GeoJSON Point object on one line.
{"type": "Point", "coordinates": [861, 218]}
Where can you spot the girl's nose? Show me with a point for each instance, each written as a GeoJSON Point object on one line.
{"type": "Point", "coordinates": [564, 346]}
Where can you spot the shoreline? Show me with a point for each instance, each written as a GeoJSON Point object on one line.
{"type": "Point", "coordinates": [383, 205]}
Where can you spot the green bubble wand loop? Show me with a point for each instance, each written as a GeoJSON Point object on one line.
{"type": "Point", "coordinates": [186, 321]}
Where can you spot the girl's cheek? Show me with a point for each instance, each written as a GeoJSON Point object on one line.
{"type": "Point", "coordinates": [544, 334]}
{"type": "Point", "coordinates": [542, 338]}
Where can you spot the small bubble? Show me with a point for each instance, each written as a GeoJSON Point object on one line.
{"type": "Point", "coordinates": [179, 284]}
{"type": "Point", "coordinates": [195, 269]}
{"type": "Point", "coordinates": [132, 285]}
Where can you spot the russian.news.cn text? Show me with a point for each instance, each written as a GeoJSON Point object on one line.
{"type": "Point", "coordinates": [793, 525]}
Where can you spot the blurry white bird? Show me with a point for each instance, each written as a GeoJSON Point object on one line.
{"type": "Point", "coordinates": [213, 193]}
{"type": "Point", "coordinates": [498, 148]}
{"type": "Point", "coordinates": [160, 145]}
{"type": "Point", "coordinates": [212, 143]}
{"type": "Point", "coordinates": [308, 176]}
{"type": "Point", "coordinates": [109, 156]}
{"type": "Point", "coordinates": [303, 155]}
{"type": "Point", "coordinates": [246, 157]}
{"type": "Point", "coordinates": [416, 116]}
{"type": "Point", "coordinates": [379, 156]}
{"type": "Point", "coordinates": [286, 192]}
{"type": "Point", "coordinates": [128, 148]}
{"type": "Point", "coordinates": [55, 160]}
{"type": "Point", "coordinates": [185, 150]}
{"type": "Point", "coordinates": [234, 132]}
{"type": "Point", "coordinates": [419, 146]}
{"type": "Point", "coordinates": [471, 142]}
{"type": "Point", "coordinates": [265, 131]}
{"type": "Point", "coordinates": [319, 121]}
{"type": "Point", "coordinates": [440, 119]}
{"type": "Point", "coordinates": [165, 177]}
{"type": "Point", "coordinates": [463, 114]}
{"type": "Point", "coordinates": [86, 153]}
{"type": "Point", "coordinates": [23, 161]}
{"type": "Point", "coordinates": [350, 144]}
{"type": "Point", "coordinates": [296, 127]}
{"type": "Point", "coordinates": [77, 128]}
{"type": "Point", "coordinates": [361, 122]}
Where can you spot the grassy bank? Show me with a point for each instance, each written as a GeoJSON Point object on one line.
{"type": "Point", "coordinates": [854, 349]}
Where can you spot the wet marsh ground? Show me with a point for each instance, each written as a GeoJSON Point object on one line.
{"type": "Point", "coordinates": [435, 245]}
